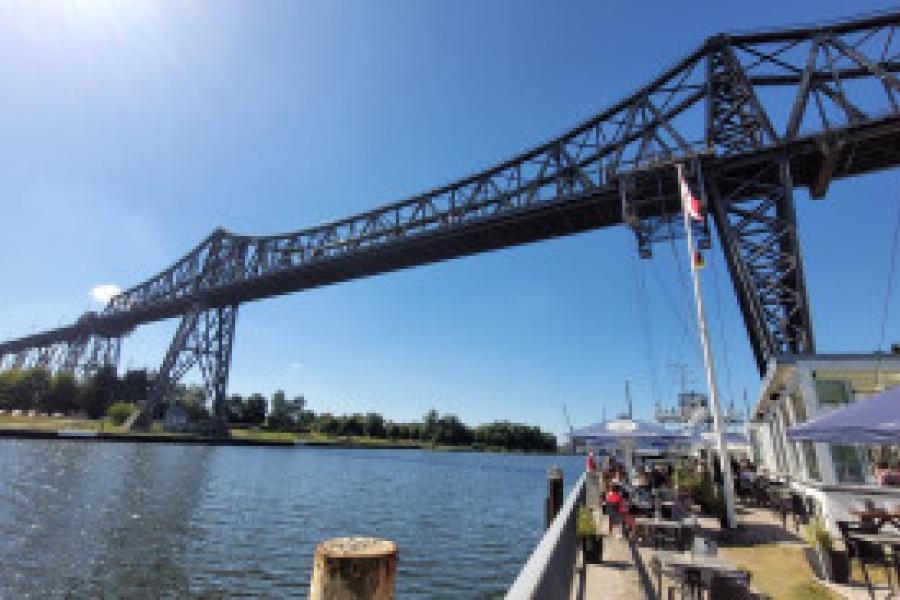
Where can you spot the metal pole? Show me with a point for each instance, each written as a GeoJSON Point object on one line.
{"type": "Point", "coordinates": [727, 481]}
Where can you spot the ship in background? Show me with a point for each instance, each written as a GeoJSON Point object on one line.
{"type": "Point", "coordinates": [682, 430]}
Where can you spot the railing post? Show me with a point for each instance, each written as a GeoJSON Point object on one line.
{"type": "Point", "coordinates": [554, 493]}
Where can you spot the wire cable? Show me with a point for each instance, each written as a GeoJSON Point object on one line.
{"type": "Point", "coordinates": [887, 297]}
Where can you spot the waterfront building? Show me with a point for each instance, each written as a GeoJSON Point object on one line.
{"type": "Point", "coordinates": [836, 478]}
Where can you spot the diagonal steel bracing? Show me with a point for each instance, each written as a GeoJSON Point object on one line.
{"type": "Point", "coordinates": [755, 215]}
{"type": "Point", "coordinates": [204, 338]}
{"type": "Point", "coordinates": [758, 114]}
{"type": "Point", "coordinates": [759, 240]}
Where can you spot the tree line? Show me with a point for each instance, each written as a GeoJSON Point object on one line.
{"type": "Point", "coordinates": [108, 394]}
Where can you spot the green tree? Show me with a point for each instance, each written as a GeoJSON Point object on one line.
{"type": "Point", "coordinates": [430, 426]}
{"type": "Point", "coordinates": [36, 389]}
{"type": "Point", "coordinates": [373, 425]}
{"type": "Point", "coordinates": [134, 386]}
{"type": "Point", "coordinates": [64, 395]}
{"type": "Point", "coordinates": [234, 408]}
{"type": "Point", "coordinates": [11, 385]}
{"type": "Point", "coordinates": [119, 411]}
{"type": "Point", "coordinates": [279, 403]}
{"type": "Point", "coordinates": [100, 392]}
{"type": "Point", "coordinates": [193, 400]}
{"type": "Point", "coordinates": [255, 410]}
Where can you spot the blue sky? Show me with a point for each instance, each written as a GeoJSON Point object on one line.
{"type": "Point", "coordinates": [134, 128]}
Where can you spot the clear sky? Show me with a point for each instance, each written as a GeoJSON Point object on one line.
{"type": "Point", "coordinates": [132, 128]}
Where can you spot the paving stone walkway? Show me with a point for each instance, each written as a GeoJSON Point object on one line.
{"type": "Point", "coordinates": [616, 578]}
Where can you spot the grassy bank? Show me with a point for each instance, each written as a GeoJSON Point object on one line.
{"type": "Point", "coordinates": [47, 423]}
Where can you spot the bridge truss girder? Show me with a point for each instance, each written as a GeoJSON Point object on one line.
{"type": "Point", "coordinates": [204, 338]}
{"type": "Point", "coordinates": [757, 114]}
{"type": "Point", "coordinates": [81, 357]}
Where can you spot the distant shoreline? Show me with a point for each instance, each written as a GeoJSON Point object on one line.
{"type": "Point", "coordinates": [184, 439]}
{"type": "Point", "coordinates": [90, 435]}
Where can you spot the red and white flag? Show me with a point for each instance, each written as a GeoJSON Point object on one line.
{"type": "Point", "coordinates": [689, 201]}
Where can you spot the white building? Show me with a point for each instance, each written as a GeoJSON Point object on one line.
{"type": "Point", "coordinates": [797, 388]}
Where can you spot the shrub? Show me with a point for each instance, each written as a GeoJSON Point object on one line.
{"type": "Point", "coordinates": [817, 535]}
{"type": "Point", "coordinates": [119, 411]}
{"type": "Point", "coordinates": [585, 525]}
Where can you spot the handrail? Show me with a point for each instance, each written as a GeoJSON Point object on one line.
{"type": "Point", "coordinates": [549, 571]}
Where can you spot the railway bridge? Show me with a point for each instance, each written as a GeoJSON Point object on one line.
{"type": "Point", "coordinates": [753, 117]}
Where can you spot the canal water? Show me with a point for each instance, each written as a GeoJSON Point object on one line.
{"type": "Point", "coordinates": [103, 520]}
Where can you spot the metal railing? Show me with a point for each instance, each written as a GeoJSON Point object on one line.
{"type": "Point", "coordinates": [550, 569]}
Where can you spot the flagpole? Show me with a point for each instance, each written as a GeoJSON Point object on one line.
{"type": "Point", "coordinates": [724, 462]}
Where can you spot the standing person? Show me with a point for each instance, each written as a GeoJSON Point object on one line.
{"type": "Point", "coordinates": [590, 465]}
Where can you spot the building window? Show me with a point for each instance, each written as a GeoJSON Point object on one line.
{"type": "Point", "coordinates": [799, 408]}
{"type": "Point", "coordinates": [755, 446]}
{"type": "Point", "coordinates": [848, 464]}
{"type": "Point", "coordinates": [791, 457]}
{"type": "Point", "coordinates": [832, 393]}
{"type": "Point", "coordinates": [812, 462]}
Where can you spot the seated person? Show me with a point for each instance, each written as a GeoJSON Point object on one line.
{"type": "Point", "coordinates": [614, 499]}
{"type": "Point", "coordinates": [885, 475]}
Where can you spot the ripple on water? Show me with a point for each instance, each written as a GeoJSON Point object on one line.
{"type": "Point", "coordinates": [172, 521]}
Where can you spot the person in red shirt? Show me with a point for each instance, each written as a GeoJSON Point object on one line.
{"type": "Point", "coordinates": [614, 498]}
{"type": "Point", "coordinates": [590, 464]}
{"type": "Point", "coordinates": [614, 503]}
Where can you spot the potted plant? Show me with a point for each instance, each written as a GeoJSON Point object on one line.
{"type": "Point", "coordinates": [834, 564]}
{"type": "Point", "coordinates": [591, 540]}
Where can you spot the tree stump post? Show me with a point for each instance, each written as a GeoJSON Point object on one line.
{"type": "Point", "coordinates": [554, 493]}
{"type": "Point", "coordinates": [354, 568]}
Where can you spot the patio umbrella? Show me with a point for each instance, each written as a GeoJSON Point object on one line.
{"type": "Point", "coordinates": [697, 437]}
{"type": "Point", "coordinates": [626, 433]}
{"type": "Point", "coordinates": [874, 420]}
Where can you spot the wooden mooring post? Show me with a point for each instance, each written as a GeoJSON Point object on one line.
{"type": "Point", "coordinates": [354, 568]}
{"type": "Point", "coordinates": [554, 493]}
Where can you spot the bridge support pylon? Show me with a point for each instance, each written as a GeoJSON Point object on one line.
{"type": "Point", "coordinates": [204, 338]}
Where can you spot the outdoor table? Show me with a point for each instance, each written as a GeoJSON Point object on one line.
{"type": "Point", "coordinates": [667, 509]}
{"type": "Point", "coordinates": [642, 507]}
{"type": "Point", "coordinates": [650, 525]}
{"type": "Point", "coordinates": [879, 517]}
{"type": "Point", "coordinates": [680, 562]}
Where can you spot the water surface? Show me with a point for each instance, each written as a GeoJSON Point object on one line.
{"type": "Point", "coordinates": [84, 519]}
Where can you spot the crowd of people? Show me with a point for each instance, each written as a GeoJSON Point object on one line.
{"type": "Point", "coordinates": [630, 493]}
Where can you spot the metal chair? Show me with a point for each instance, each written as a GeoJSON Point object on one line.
{"type": "Point", "coordinates": [866, 553]}
{"type": "Point", "coordinates": [691, 583]}
{"type": "Point", "coordinates": [798, 509]}
{"type": "Point", "coordinates": [730, 586]}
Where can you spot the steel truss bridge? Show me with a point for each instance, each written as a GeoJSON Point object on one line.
{"type": "Point", "coordinates": [754, 116]}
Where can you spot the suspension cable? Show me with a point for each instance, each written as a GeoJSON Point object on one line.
{"type": "Point", "coordinates": [640, 291]}
{"type": "Point", "coordinates": [887, 297]}
{"type": "Point", "coordinates": [721, 319]}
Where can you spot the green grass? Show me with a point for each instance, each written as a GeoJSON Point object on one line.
{"type": "Point", "coordinates": [779, 570]}
{"type": "Point", "coordinates": [55, 423]}
{"type": "Point", "coordinates": [46, 423]}
{"type": "Point", "coordinates": [258, 434]}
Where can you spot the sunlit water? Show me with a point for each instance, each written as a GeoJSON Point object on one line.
{"type": "Point", "coordinates": [103, 520]}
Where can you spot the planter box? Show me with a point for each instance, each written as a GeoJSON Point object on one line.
{"type": "Point", "coordinates": [592, 547]}
{"type": "Point", "coordinates": [838, 565]}
{"type": "Point", "coordinates": [832, 565]}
